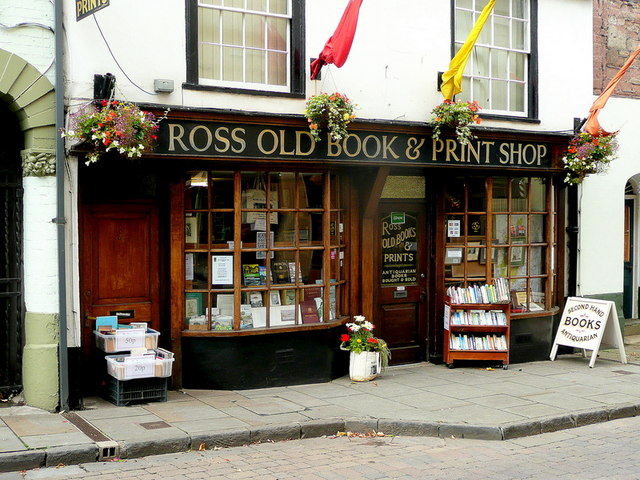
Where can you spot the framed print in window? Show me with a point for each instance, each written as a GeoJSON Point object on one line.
{"type": "Point", "coordinates": [517, 253]}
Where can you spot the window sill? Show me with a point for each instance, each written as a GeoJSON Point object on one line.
{"type": "Point", "coordinates": [539, 313]}
{"type": "Point", "coordinates": [266, 331]}
{"type": "Point", "coordinates": [245, 91]}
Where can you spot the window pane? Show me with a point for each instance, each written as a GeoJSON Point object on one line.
{"type": "Point", "coordinates": [519, 35]}
{"type": "Point", "coordinates": [538, 195]}
{"type": "Point", "coordinates": [499, 257]}
{"type": "Point", "coordinates": [234, 3]}
{"type": "Point", "coordinates": [257, 5]}
{"type": "Point", "coordinates": [285, 230]}
{"type": "Point", "coordinates": [537, 260]}
{"type": "Point", "coordinates": [277, 68]}
{"type": "Point", "coordinates": [231, 28]}
{"type": "Point", "coordinates": [208, 25]}
{"type": "Point", "coordinates": [196, 308]}
{"type": "Point", "coordinates": [517, 96]}
{"type": "Point", "coordinates": [520, 9]}
{"type": "Point", "coordinates": [464, 3]}
{"type": "Point", "coordinates": [464, 24]}
{"type": "Point", "coordinates": [499, 95]}
{"type": "Point", "coordinates": [311, 190]}
{"type": "Point", "coordinates": [485, 35]}
{"type": "Point", "coordinates": [518, 228]}
{"type": "Point", "coordinates": [222, 189]}
{"type": "Point", "coordinates": [279, 6]}
{"type": "Point", "coordinates": [277, 34]}
{"type": "Point", "coordinates": [481, 61]}
{"type": "Point", "coordinates": [500, 198]}
{"type": "Point", "coordinates": [196, 229]}
{"type": "Point", "coordinates": [477, 194]}
{"type": "Point", "coordinates": [254, 35]}
{"type": "Point", "coordinates": [517, 66]}
{"type": "Point", "coordinates": [196, 190]}
{"type": "Point", "coordinates": [211, 2]}
{"type": "Point", "coordinates": [232, 63]}
{"type": "Point", "coordinates": [481, 92]}
{"type": "Point", "coordinates": [520, 194]}
{"type": "Point", "coordinates": [502, 8]}
{"type": "Point", "coordinates": [538, 230]}
{"type": "Point", "coordinates": [500, 228]}
{"type": "Point", "coordinates": [196, 270]}
{"type": "Point", "coordinates": [501, 32]}
{"type": "Point", "coordinates": [499, 63]}
{"type": "Point", "coordinates": [454, 197]}
{"type": "Point", "coordinates": [254, 66]}
{"type": "Point", "coordinates": [209, 61]}
{"type": "Point", "coordinates": [222, 225]}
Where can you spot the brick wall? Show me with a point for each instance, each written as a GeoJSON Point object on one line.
{"type": "Point", "coordinates": [616, 34]}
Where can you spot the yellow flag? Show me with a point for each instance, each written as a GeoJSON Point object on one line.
{"type": "Point", "coordinates": [452, 78]}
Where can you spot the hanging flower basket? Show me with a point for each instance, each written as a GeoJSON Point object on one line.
{"type": "Point", "coordinates": [331, 112]}
{"type": "Point", "coordinates": [456, 115]}
{"type": "Point", "coordinates": [360, 340]}
{"type": "Point", "coordinates": [114, 126]}
{"type": "Point", "coordinates": [589, 154]}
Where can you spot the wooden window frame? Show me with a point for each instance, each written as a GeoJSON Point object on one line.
{"type": "Point", "coordinates": [549, 273]}
{"type": "Point", "coordinates": [334, 190]}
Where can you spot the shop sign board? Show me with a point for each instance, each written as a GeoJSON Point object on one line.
{"type": "Point", "coordinates": [399, 250]}
{"type": "Point", "coordinates": [233, 140]}
{"type": "Point", "coordinates": [84, 8]}
{"type": "Point", "coordinates": [586, 324]}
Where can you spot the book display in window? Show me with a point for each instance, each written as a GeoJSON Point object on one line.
{"type": "Point", "coordinates": [474, 327]}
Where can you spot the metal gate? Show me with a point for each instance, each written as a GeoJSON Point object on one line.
{"type": "Point", "coordinates": [11, 283]}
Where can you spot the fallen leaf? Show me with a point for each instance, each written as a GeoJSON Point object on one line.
{"type": "Point", "coordinates": [202, 447]}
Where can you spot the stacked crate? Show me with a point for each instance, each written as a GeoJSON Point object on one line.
{"type": "Point", "coordinates": [137, 369]}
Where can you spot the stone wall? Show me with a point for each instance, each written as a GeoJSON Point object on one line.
{"type": "Point", "coordinates": [616, 28]}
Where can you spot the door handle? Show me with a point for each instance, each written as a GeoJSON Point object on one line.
{"type": "Point", "coordinates": [88, 319]}
{"type": "Point", "coordinates": [423, 295]}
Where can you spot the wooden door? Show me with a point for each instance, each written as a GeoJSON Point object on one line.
{"type": "Point", "coordinates": [118, 266]}
{"type": "Point", "coordinates": [402, 280]}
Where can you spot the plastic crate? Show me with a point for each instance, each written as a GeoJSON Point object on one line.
{"type": "Point", "coordinates": [161, 365]}
{"type": "Point", "coordinates": [107, 343]}
{"type": "Point", "coordinates": [125, 392]}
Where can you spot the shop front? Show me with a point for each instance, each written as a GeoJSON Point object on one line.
{"type": "Point", "coordinates": [248, 245]}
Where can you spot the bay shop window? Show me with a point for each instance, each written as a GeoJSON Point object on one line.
{"type": "Point", "coordinates": [502, 227]}
{"type": "Point", "coordinates": [263, 250]}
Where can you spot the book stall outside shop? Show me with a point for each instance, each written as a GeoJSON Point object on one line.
{"type": "Point", "coordinates": [250, 245]}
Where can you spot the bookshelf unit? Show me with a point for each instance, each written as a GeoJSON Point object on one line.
{"type": "Point", "coordinates": [476, 331]}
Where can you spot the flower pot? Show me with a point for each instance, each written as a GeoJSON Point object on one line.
{"type": "Point", "coordinates": [364, 366]}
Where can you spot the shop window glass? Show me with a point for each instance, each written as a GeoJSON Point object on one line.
{"type": "Point", "coordinates": [510, 239]}
{"type": "Point", "coordinates": [498, 75]}
{"type": "Point", "coordinates": [276, 259]}
{"type": "Point", "coordinates": [246, 44]}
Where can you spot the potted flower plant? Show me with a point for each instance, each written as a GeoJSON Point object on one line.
{"type": "Point", "coordinates": [589, 154]}
{"type": "Point", "coordinates": [113, 126]}
{"type": "Point", "coordinates": [457, 115]}
{"type": "Point", "coordinates": [332, 112]}
{"type": "Point", "coordinates": [368, 355]}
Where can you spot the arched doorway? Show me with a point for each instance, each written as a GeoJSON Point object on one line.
{"type": "Point", "coordinates": [630, 292]}
{"type": "Point", "coordinates": [11, 277]}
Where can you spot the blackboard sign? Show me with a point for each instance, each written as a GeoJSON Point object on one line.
{"type": "Point", "coordinates": [399, 241]}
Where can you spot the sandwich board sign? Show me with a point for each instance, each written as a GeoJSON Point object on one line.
{"type": "Point", "coordinates": [585, 324]}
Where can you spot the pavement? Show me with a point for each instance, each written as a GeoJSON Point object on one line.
{"type": "Point", "coordinates": [415, 400]}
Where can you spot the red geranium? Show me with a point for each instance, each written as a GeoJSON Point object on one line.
{"type": "Point", "coordinates": [344, 337]}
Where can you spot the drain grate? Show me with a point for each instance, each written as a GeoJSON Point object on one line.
{"type": "Point", "coordinates": [107, 448]}
{"type": "Point", "coordinates": [154, 425]}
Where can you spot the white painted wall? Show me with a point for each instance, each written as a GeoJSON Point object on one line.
{"type": "Point", "coordinates": [391, 72]}
{"type": "Point", "coordinates": [40, 245]}
{"type": "Point", "coordinates": [602, 204]}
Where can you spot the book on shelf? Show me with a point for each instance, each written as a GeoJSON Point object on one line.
{"type": "Point", "coordinates": [485, 294]}
{"type": "Point", "coordinates": [288, 297]}
{"type": "Point", "coordinates": [262, 273]}
{"type": "Point", "coordinates": [280, 272]}
{"type": "Point", "coordinates": [251, 274]}
{"type": "Point", "coordinates": [477, 342]}
{"type": "Point", "coordinates": [309, 311]}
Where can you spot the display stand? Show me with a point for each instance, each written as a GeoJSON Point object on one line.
{"type": "Point", "coordinates": [586, 324]}
{"type": "Point", "coordinates": [477, 331]}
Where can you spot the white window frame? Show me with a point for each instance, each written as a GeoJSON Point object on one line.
{"type": "Point", "coordinates": [243, 84]}
{"type": "Point", "coordinates": [469, 77]}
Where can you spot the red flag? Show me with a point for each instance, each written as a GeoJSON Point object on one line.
{"type": "Point", "coordinates": [337, 48]}
{"type": "Point", "coordinates": [592, 124]}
